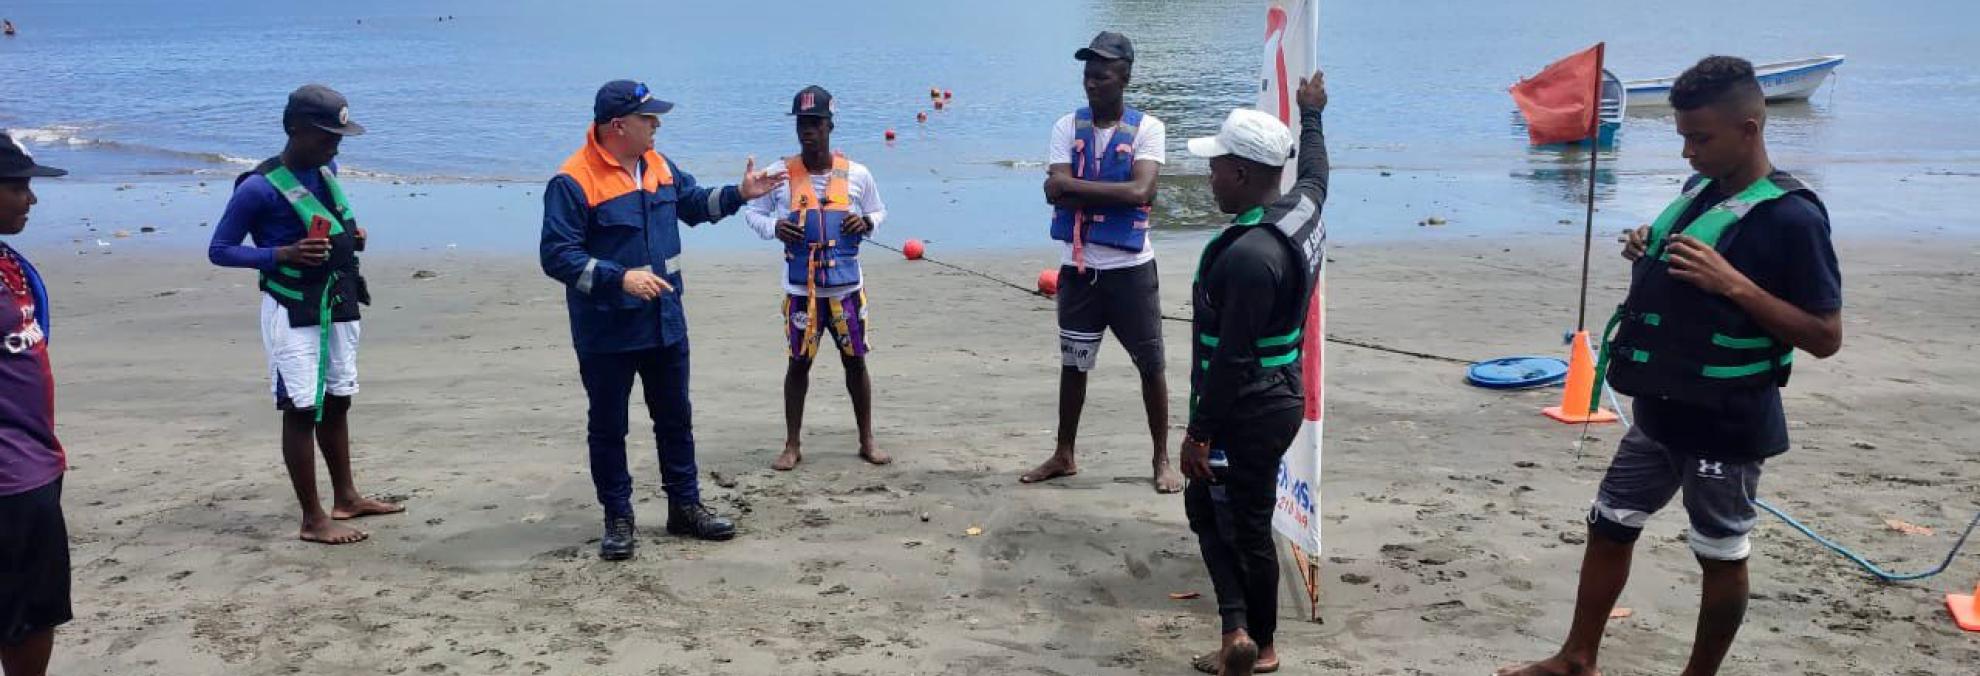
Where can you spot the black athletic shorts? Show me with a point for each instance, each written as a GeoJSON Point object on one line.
{"type": "Point", "coordinates": [1126, 300]}
{"type": "Point", "coordinates": [34, 563]}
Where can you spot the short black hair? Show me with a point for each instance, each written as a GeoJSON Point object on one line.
{"type": "Point", "coordinates": [1717, 80]}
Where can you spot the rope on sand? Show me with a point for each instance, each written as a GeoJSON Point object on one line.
{"type": "Point", "coordinates": [1174, 318]}
{"type": "Point", "coordinates": [1854, 557]}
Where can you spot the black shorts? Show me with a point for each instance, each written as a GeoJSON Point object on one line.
{"type": "Point", "coordinates": [34, 563]}
{"type": "Point", "coordinates": [1126, 300]}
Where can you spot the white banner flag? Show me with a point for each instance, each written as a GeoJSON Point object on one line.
{"type": "Point", "coordinates": [1292, 51]}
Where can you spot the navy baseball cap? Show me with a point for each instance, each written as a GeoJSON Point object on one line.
{"type": "Point", "coordinates": [1108, 45]}
{"type": "Point", "coordinates": [323, 108]}
{"type": "Point", "coordinates": [620, 98]}
{"type": "Point", "coordinates": [813, 101]}
{"type": "Point", "coordinates": [15, 162]}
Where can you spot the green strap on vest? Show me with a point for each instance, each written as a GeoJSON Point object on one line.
{"type": "Point", "coordinates": [309, 209]}
{"type": "Point", "coordinates": [1250, 218]}
{"type": "Point", "coordinates": [1712, 224]}
{"type": "Point", "coordinates": [1707, 228]}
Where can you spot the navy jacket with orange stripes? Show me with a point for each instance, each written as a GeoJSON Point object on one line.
{"type": "Point", "coordinates": [597, 225]}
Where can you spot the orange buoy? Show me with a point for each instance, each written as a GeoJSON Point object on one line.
{"type": "Point", "coordinates": [890, 134]}
{"type": "Point", "coordinates": [912, 249]}
{"type": "Point", "coordinates": [1048, 282]}
{"type": "Point", "coordinates": [921, 116]}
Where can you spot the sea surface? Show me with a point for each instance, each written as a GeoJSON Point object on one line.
{"type": "Point", "coordinates": [462, 96]}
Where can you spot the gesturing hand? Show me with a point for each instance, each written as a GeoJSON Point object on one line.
{"type": "Point", "coordinates": [758, 183]}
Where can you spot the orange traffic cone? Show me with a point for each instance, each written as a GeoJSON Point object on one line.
{"type": "Point", "coordinates": [1965, 609]}
{"type": "Point", "coordinates": [1580, 388]}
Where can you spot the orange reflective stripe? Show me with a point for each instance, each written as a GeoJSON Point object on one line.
{"type": "Point", "coordinates": [657, 174]}
{"type": "Point", "coordinates": [601, 177]}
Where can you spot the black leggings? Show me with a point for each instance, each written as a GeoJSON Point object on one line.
{"type": "Point", "coordinates": [1236, 535]}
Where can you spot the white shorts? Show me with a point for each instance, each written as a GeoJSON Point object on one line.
{"type": "Point", "coordinates": [292, 353]}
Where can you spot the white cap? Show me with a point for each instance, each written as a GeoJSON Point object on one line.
{"type": "Point", "coordinates": [1251, 134]}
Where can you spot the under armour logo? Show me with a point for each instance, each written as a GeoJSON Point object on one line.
{"type": "Point", "coordinates": [1711, 470]}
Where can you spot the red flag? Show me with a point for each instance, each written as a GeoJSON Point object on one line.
{"type": "Point", "coordinates": [1561, 103]}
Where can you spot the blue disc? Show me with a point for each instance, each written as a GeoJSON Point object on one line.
{"type": "Point", "coordinates": [1517, 373]}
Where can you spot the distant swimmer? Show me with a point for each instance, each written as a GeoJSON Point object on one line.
{"type": "Point", "coordinates": [7, 26]}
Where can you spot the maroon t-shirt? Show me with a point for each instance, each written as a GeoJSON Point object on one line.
{"type": "Point", "coordinates": [30, 456]}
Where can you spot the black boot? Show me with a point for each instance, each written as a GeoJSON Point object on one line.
{"type": "Point", "coordinates": [697, 520]}
{"type": "Point", "coordinates": [619, 540]}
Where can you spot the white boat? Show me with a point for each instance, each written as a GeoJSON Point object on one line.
{"type": "Point", "coordinates": [1779, 81]}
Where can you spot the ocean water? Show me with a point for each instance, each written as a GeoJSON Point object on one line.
{"type": "Point", "coordinates": [499, 91]}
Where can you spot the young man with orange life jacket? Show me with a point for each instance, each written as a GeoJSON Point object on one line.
{"type": "Point", "coordinates": [1735, 275]}
{"type": "Point", "coordinates": [826, 207]}
{"type": "Point", "coordinates": [612, 236]}
{"type": "Point", "coordinates": [1104, 160]}
{"type": "Point", "coordinates": [34, 539]}
{"type": "Point", "coordinates": [305, 248]}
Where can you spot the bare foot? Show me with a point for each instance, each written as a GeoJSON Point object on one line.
{"type": "Point", "coordinates": [330, 533]}
{"type": "Point", "coordinates": [1052, 469]}
{"type": "Point", "coordinates": [1552, 666]}
{"type": "Point", "coordinates": [363, 507]}
{"type": "Point", "coordinates": [871, 452]}
{"type": "Point", "coordinates": [1240, 658]}
{"type": "Point", "coordinates": [1268, 660]}
{"type": "Point", "coordinates": [1167, 479]}
{"type": "Point", "coordinates": [789, 459]}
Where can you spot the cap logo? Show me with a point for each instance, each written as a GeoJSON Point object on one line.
{"type": "Point", "coordinates": [807, 100]}
{"type": "Point", "coordinates": [344, 115]}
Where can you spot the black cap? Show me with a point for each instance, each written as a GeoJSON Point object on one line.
{"type": "Point", "coordinates": [15, 162]}
{"type": "Point", "coordinates": [813, 101]}
{"type": "Point", "coordinates": [620, 98]}
{"type": "Point", "coordinates": [1108, 45]}
{"type": "Point", "coordinates": [323, 108]}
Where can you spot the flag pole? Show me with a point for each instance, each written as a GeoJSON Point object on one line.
{"type": "Point", "coordinates": [1594, 151]}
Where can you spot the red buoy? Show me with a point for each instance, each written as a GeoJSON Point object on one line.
{"type": "Point", "coordinates": [938, 104]}
{"type": "Point", "coordinates": [1048, 282]}
{"type": "Point", "coordinates": [948, 94]}
{"type": "Point", "coordinates": [890, 134]}
{"type": "Point", "coordinates": [912, 249]}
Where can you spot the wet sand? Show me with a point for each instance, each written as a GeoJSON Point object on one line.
{"type": "Point", "coordinates": [1453, 514]}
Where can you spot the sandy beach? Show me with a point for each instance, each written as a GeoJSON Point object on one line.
{"type": "Point", "coordinates": [1453, 514]}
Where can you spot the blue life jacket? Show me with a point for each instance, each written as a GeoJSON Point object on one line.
{"type": "Point", "coordinates": [826, 256]}
{"type": "Point", "coordinates": [1120, 227]}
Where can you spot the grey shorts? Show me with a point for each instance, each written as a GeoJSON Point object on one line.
{"type": "Point", "coordinates": [1645, 475]}
{"type": "Point", "coordinates": [1127, 301]}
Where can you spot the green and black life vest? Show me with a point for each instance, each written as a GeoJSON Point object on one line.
{"type": "Point", "coordinates": [1296, 226]}
{"type": "Point", "coordinates": [1672, 340]}
{"type": "Point", "coordinates": [326, 293]}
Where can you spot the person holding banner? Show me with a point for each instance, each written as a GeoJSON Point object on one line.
{"type": "Point", "coordinates": [1253, 287]}
{"type": "Point", "coordinates": [1735, 275]}
{"type": "Point", "coordinates": [1104, 159]}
